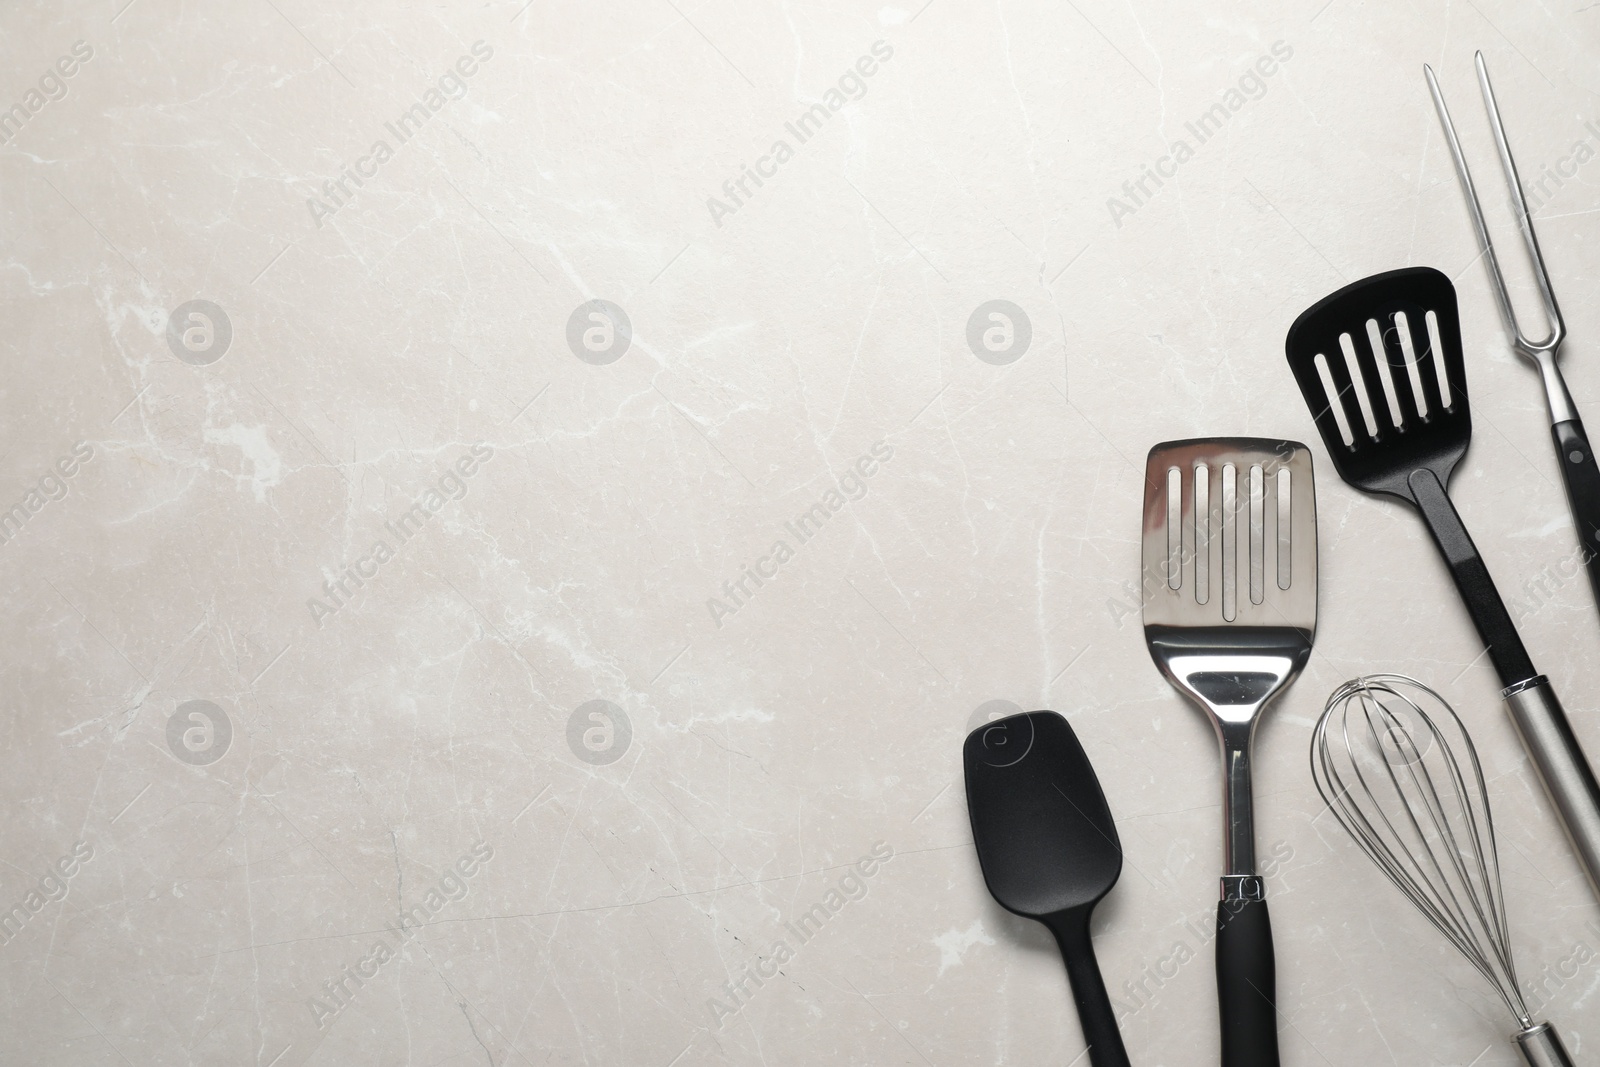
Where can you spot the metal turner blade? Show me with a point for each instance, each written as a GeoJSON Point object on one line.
{"type": "Point", "coordinates": [1220, 546]}
{"type": "Point", "coordinates": [1230, 611]}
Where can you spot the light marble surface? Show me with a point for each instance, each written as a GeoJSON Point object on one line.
{"type": "Point", "coordinates": [408, 747]}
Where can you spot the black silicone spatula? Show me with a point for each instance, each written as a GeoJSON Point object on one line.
{"type": "Point", "coordinates": [1048, 848]}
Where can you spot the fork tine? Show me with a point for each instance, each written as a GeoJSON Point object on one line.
{"type": "Point", "coordinates": [1508, 313]}
{"type": "Point", "coordinates": [1479, 226]}
{"type": "Point", "coordinates": [1552, 311]}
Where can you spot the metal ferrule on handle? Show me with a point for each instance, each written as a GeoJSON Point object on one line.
{"type": "Point", "coordinates": [1567, 777]}
{"type": "Point", "coordinates": [1541, 1046]}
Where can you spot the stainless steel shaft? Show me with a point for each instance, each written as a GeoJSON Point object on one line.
{"type": "Point", "coordinates": [1547, 735]}
{"type": "Point", "coordinates": [1541, 1047]}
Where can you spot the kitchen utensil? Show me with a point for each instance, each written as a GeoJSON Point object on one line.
{"type": "Point", "coordinates": [1380, 365]}
{"type": "Point", "coordinates": [1230, 610]}
{"type": "Point", "coordinates": [1573, 454]}
{"type": "Point", "coordinates": [1048, 848]}
{"type": "Point", "coordinates": [1387, 755]}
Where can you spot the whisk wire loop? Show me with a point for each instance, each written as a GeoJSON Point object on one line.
{"type": "Point", "coordinates": [1394, 780]}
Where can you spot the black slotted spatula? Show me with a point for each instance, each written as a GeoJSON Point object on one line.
{"type": "Point", "coordinates": [1380, 364]}
{"type": "Point", "coordinates": [1048, 848]}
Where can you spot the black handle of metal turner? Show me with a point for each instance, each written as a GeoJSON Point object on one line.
{"type": "Point", "coordinates": [1471, 575]}
{"type": "Point", "coordinates": [1582, 476]}
{"type": "Point", "coordinates": [1247, 984]}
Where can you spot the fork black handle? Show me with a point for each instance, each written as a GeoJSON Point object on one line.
{"type": "Point", "coordinates": [1581, 474]}
{"type": "Point", "coordinates": [1471, 574]}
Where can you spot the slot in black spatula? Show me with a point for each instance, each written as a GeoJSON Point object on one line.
{"type": "Point", "coordinates": [1380, 365]}
{"type": "Point", "coordinates": [1048, 848]}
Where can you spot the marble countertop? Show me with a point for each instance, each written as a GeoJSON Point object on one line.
{"type": "Point", "coordinates": [509, 508]}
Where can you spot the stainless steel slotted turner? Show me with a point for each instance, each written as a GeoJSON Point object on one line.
{"type": "Point", "coordinates": [1230, 611]}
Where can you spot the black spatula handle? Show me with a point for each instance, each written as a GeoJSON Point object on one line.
{"type": "Point", "coordinates": [1247, 981]}
{"type": "Point", "coordinates": [1472, 579]}
{"type": "Point", "coordinates": [1582, 475]}
{"type": "Point", "coordinates": [1089, 989]}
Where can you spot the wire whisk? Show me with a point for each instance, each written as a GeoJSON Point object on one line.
{"type": "Point", "coordinates": [1396, 766]}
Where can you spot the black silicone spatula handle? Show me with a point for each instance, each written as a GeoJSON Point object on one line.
{"type": "Point", "coordinates": [1582, 475]}
{"type": "Point", "coordinates": [1247, 978]}
{"type": "Point", "coordinates": [1471, 574]}
{"type": "Point", "coordinates": [1089, 989]}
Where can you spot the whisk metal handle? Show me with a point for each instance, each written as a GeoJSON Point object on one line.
{"type": "Point", "coordinates": [1246, 977]}
{"type": "Point", "coordinates": [1541, 1046]}
{"type": "Point", "coordinates": [1562, 766]}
